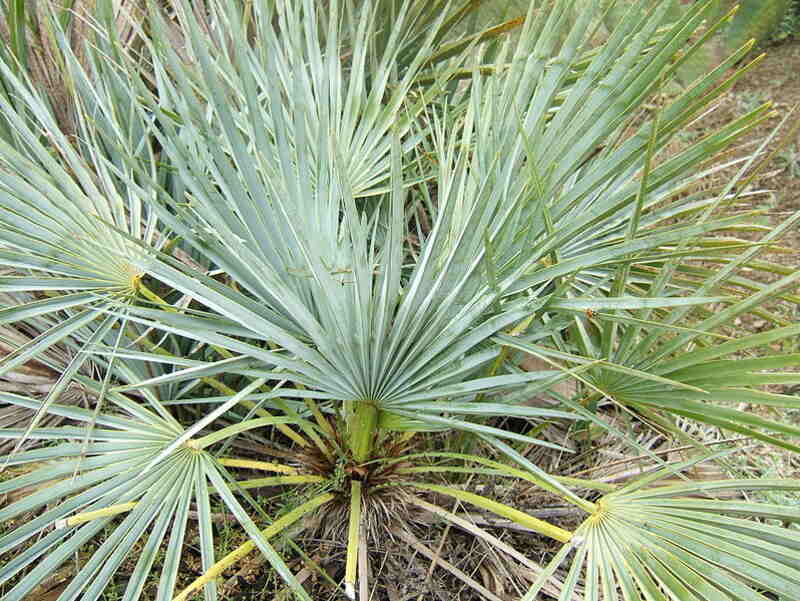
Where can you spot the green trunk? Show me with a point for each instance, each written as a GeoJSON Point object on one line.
{"type": "Point", "coordinates": [362, 424]}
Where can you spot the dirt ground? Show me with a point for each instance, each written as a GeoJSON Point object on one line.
{"type": "Point", "coordinates": [776, 79]}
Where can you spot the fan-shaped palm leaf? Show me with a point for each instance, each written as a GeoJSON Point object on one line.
{"type": "Point", "coordinates": [678, 542]}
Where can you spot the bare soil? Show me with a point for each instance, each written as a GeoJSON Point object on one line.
{"type": "Point", "coordinates": [776, 79]}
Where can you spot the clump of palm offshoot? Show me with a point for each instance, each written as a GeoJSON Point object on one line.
{"type": "Point", "coordinates": [309, 241]}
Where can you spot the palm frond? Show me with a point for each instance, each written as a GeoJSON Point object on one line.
{"type": "Point", "coordinates": [679, 542]}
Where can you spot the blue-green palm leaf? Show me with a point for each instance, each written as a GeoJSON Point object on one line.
{"type": "Point", "coordinates": [119, 476]}
{"type": "Point", "coordinates": [680, 542]}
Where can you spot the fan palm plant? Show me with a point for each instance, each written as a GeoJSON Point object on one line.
{"type": "Point", "coordinates": [333, 231]}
